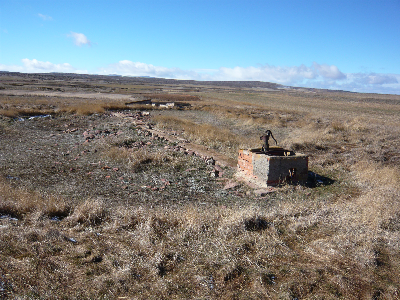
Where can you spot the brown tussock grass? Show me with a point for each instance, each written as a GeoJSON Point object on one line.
{"type": "Point", "coordinates": [117, 154]}
{"type": "Point", "coordinates": [220, 252]}
{"type": "Point", "coordinates": [33, 105]}
{"type": "Point", "coordinates": [138, 159]}
{"type": "Point", "coordinates": [142, 157]}
{"type": "Point", "coordinates": [324, 135]}
{"type": "Point", "coordinates": [101, 107]}
{"type": "Point", "coordinates": [248, 116]}
{"type": "Point", "coordinates": [380, 199]}
{"type": "Point", "coordinates": [17, 203]}
{"type": "Point", "coordinates": [215, 137]}
{"type": "Point", "coordinates": [84, 109]}
{"type": "Point", "coordinates": [173, 97]}
{"type": "Point", "coordinates": [376, 176]}
{"type": "Point", "coordinates": [90, 212]}
{"type": "Point", "coordinates": [13, 112]}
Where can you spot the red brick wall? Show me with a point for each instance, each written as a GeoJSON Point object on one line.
{"type": "Point", "coordinates": [245, 163]}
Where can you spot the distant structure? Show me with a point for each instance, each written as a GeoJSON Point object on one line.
{"type": "Point", "coordinates": [161, 104]}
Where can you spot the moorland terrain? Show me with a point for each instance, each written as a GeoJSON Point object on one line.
{"type": "Point", "coordinates": [106, 196]}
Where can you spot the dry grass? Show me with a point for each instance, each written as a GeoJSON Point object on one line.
{"type": "Point", "coordinates": [89, 213]}
{"type": "Point", "coordinates": [84, 109]}
{"type": "Point", "coordinates": [139, 159]}
{"type": "Point", "coordinates": [331, 241]}
{"type": "Point", "coordinates": [173, 97]}
{"type": "Point", "coordinates": [34, 105]}
{"type": "Point", "coordinates": [220, 252]}
{"type": "Point", "coordinates": [253, 115]}
{"type": "Point", "coordinates": [13, 113]}
{"type": "Point", "coordinates": [215, 137]}
{"type": "Point", "coordinates": [326, 247]}
{"type": "Point", "coordinates": [17, 203]}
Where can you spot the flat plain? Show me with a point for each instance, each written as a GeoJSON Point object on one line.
{"type": "Point", "coordinates": [108, 193]}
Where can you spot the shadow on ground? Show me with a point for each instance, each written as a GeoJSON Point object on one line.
{"type": "Point", "coordinates": [315, 180]}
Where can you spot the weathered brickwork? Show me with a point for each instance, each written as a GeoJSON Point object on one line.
{"type": "Point", "coordinates": [273, 169]}
{"type": "Point", "coordinates": [245, 162]}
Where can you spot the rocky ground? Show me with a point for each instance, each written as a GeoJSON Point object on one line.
{"type": "Point", "coordinates": [69, 156]}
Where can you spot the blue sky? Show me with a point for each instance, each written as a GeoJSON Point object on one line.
{"type": "Point", "coordinates": [342, 44]}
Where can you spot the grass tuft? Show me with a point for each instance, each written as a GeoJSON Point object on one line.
{"type": "Point", "coordinates": [91, 212]}
{"type": "Point", "coordinates": [17, 203]}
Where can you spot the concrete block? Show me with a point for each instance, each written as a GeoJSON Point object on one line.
{"type": "Point", "coordinates": [275, 167]}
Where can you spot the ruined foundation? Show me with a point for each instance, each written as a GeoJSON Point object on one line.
{"type": "Point", "coordinates": [273, 167]}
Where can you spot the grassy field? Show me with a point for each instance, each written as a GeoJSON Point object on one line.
{"type": "Point", "coordinates": [93, 206]}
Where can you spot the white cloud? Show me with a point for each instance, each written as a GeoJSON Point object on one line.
{"type": "Point", "coordinates": [330, 72]}
{"type": "Point", "coordinates": [36, 66]}
{"type": "Point", "coordinates": [129, 68]}
{"type": "Point", "coordinates": [45, 18]}
{"type": "Point", "coordinates": [376, 79]}
{"type": "Point", "coordinates": [361, 82]}
{"type": "Point", "coordinates": [283, 75]}
{"type": "Point", "coordinates": [79, 39]}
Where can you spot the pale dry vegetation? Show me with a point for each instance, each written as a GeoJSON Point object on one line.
{"type": "Point", "coordinates": [216, 137]}
{"type": "Point", "coordinates": [172, 97]}
{"type": "Point", "coordinates": [139, 159]}
{"type": "Point", "coordinates": [298, 247]}
{"type": "Point", "coordinates": [17, 203]}
{"type": "Point", "coordinates": [31, 105]}
{"type": "Point", "coordinates": [338, 237]}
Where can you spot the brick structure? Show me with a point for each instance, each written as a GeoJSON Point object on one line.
{"type": "Point", "coordinates": [276, 166]}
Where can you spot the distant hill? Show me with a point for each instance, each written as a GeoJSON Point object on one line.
{"type": "Point", "coordinates": [128, 79]}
